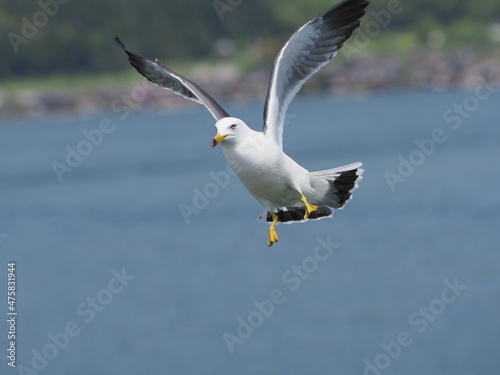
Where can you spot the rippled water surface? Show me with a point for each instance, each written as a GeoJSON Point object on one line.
{"type": "Point", "coordinates": [142, 255]}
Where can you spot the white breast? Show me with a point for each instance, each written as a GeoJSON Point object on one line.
{"type": "Point", "coordinates": [266, 171]}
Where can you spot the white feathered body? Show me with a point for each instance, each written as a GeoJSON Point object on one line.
{"type": "Point", "coordinates": [271, 176]}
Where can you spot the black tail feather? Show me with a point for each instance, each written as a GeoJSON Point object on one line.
{"type": "Point", "coordinates": [341, 187]}
{"type": "Point", "coordinates": [291, 214]}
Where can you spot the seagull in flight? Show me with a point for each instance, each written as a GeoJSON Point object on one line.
{"type": "Point", "coordinates": [287, 191]}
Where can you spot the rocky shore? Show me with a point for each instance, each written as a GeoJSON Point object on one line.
{"type": "Point", "coordinates": [430, 70]}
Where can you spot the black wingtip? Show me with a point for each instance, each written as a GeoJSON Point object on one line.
{"type": "Point", "coordinates": [118, 42]}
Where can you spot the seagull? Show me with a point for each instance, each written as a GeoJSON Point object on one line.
{"type": "Point", "coordinates": [287, 191]}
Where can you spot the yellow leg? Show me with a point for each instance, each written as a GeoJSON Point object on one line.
{"type": "Point", "coordinates": [273, 236]}
{"type": "Point", "coordinates": [309, 207]}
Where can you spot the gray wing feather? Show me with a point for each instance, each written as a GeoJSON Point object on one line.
{"type": "Point", "coordinates": [165, 77]}
{"type": "Point", "coordinates": [307, 50]}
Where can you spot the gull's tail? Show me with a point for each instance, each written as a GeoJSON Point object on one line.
{"type": "Point", "coordinates": [342, 181]}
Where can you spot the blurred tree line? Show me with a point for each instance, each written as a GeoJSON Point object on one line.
{"type": "Point", "coordinates": [47, 37]}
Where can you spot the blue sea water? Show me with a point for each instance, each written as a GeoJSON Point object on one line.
{"type": "Point", "coordinates": [144, 256]}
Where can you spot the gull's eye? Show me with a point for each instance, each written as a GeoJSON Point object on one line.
{"type": "Point", "coordinates": [233, 126]}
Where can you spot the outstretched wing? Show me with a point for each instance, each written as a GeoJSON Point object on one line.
{"type": "Point", "coordinates": [157, 73]}
{"type": "Point", "coordinates": [307, 50]}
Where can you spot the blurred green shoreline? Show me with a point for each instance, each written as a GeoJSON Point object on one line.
{"type": "Point", "coordinates": [348, 73]}
{"type": "Point", "coordinates": [59, 56]}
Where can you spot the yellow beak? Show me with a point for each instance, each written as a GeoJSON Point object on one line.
{"type": "Point", "coordinates": [218, 139]}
